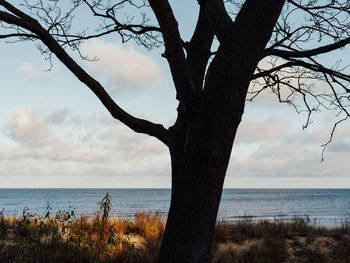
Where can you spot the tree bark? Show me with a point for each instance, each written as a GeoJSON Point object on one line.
{"type": "Point", "coordinates": [202, 143]}
{"type": "Point", "coordinates": [198, 176]}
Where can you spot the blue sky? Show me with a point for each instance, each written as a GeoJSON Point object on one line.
{"type": "Point", "coordinates": [55, 133]}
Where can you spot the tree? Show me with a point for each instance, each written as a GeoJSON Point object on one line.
{"type": "Point", "coordinates": [212, 86]}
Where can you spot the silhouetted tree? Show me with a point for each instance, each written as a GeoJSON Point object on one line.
{"type": "Point", "coordinates": [212, 86]}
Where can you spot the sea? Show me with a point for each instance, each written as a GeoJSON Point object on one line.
{"type": "Point", "coordinates": [326, 207]}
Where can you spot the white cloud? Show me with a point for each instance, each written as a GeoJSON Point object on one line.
{"type": "Point", "coordinates": [28, 128]}
{"type": "Point", "coordinates": [270, 129]}
{"type": "Point", "coordinates": [28, 69]}
{"type": "Point", "coordinates": [58, 116]}
{"type": "Point", "coordinates": [339, 147]}
{"type": "Point", "coordinates": [276, 151]}
{"type": "Point", "coordinates": [121, 66]}
{"type": "Point", "coordinates": [62, 143]}
{"type": "Point", "coordinates": [38, 147]}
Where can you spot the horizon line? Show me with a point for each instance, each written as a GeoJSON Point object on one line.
{"type": "Point", "coordinates": [169, 188]}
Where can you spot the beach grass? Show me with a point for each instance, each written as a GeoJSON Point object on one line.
{"type": "Point", "coordinates": [66, 237]}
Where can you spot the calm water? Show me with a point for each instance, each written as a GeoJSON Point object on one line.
{"type": "Point", "coordinates": [329, 206]}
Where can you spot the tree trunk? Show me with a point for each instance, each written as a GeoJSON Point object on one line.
{"type": "Point", "coordinates": [199, 163]}
{"type": "Point", "coordinates": [202, 139]}
{"type": "Point", "coordinates": [196, 194]}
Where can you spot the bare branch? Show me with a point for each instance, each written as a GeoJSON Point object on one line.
{"type": "Point", "coordinates": [307, 53]}
{"type": "Point", "coordinates": [138, 125]}
{"type": "Point", "coordinates": [324, 146]}
{"type": "Point", "coordinates": [340, 104]}
{"type": "Point", "coordinates": [319, 68]}
{"type": "Point", "coordinates": [15, 11]}
{"type": "Point", "coordinates": [20, 35]}
{"type": "Point", "coordinates": [174, 53]}
{"type": "Point", "coordinates": [295, 78]}
{"type": "Point", "coordinates": [264, 73]}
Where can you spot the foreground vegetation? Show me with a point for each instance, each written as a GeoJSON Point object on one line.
{"type": "Point", "coordinates": [68, 238]}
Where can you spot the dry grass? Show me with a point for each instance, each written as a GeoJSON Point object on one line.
{"type": "Point", "coordinates": [299, 240]}
{"type": "Point", "coordinates": [67, 238]}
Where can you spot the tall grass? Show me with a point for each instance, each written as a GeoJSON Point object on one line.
{"type": "Point", "coordinates": [265, 241]}
{"type": "Point", "coordinates": [66, 237]}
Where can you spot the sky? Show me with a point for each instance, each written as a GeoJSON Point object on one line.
{"type": "Point", "coordinates": [55, 133]}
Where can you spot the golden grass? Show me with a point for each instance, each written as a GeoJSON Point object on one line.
{"type": "Point", "coordinates": [67, 238]}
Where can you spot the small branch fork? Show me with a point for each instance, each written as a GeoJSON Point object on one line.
{"type": "Point", "coordinates": [294, 72]}
{"type": "Point", "coordinates": [142, 32]}
{"type": "Point", "coordinates": [58, 23]}
{"type": "Point", "coordinates": [16, 17]}
{"type": "Point", "coordinates": [290, 79]}
{"type": "Point", "coordinates": [325, 145]}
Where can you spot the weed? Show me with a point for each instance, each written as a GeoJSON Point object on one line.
{"type": "Point", "coordinates": [3, 224]}
{"type": "Point", "coordinates": [105, 206]}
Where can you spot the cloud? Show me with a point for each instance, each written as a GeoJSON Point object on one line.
{"type": "Point", "coordinates": [58, 116]}
{"type": "Point", "coordinates": [271, 149]}
{"type": "Point", "coordinates": [121, 66]}
{"type": "Point", "coordinates": [339, 147]}
{"type": "Point", "coordinates": [28, 128]}
{"type": "Point", "coordinates": [287, 161]}
{"type": "Point", "coordinates": [28, 69]}
{"type": "Point", "coordinates": [40, 147]}
{"type": "Point", "coordinates": [270, 129]}
{"type": "Point", "coordinates": [64, 143]}
{"type": "Point", "coordinates": [282, 128]}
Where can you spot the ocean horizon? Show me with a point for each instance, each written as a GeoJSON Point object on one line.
{"type": "Point", "coordinates": [323, 206]}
